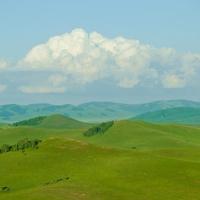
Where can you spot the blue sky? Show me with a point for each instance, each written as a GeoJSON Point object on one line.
{"type": "Point", "coordinates": [165, 64]}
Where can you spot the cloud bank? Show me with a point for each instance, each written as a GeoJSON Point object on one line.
{"type": "Point", "coordinates": [79, 58]}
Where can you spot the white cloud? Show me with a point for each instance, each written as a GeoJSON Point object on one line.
{"type": "Point", "coordinates": [41, 90]}
{"type": "Point", "coordinates": [80, 58]}
{"type": "Point", "coordinates": [87, 57]}
{"type": "Point", "coordinates": [173, 81]}
{"type": "Point", "coordinates": [3, 64]}
{"type": "Point", "coordinates": [2, 88]}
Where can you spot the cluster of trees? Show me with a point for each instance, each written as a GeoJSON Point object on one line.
{"type": "Point", "coordinates": [21, 145]}
{"type": "Point", "coordinates": [30, 122]}
{"type": "Point", "coordinates": [99, 129]}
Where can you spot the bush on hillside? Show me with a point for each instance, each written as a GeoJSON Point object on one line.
{"type": "Point", "coordinates": [4, 189]}
{"type": "Point", "coordinates": [57, 180]}
{"type": "Point", "coordinates": [100, 129]}
{"type": "Point", "coordinates": [5, 148]}
{"type": "Point", "coordinates": [21, 145]}
{"type": "Point", "coordinates": [30, 122]}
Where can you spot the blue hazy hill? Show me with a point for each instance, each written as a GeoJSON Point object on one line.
{"type": "Point", "coordinates": [93, 111]}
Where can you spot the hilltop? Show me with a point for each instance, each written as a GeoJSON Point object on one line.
{"type": "Point", "coordinates": [142, 135]}
{"type": "Point", "coordinates": [53, 122]}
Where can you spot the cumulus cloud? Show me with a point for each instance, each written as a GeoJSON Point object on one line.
{"type": "Point", "coordinates": [80, 58]}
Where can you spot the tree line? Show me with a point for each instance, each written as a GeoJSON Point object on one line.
{"type": "Point", "coordinates": [20, 146]}
{"type": "Point", "coordinates": [99, 129]}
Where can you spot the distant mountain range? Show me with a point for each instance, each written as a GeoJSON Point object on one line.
{"type": "Point", "coordinates": [95, 111]}
{"type": "Point", "coordinates": [181, 115]}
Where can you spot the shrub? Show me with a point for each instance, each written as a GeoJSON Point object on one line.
{"type": "Point", "coordinates": [21, 145]}
{"type": "Point", "coordinates": [5, 148]}
{"type": "Point", "coordinates": [99, 129]}
{"type": "Point", "coordinates": [30, 122]}
{"type": "Point", "coordinates": [57, 180]}
{"type": "Point", "coordinates": [4, 189]}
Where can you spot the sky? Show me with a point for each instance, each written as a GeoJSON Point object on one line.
{"type": "Point", "coordinates": [73, 51]}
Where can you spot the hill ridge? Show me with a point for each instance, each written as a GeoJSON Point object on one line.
{"type": "Point", "coordinates": [88, 112]}
{"type": "Point", "coordinates": [182, 115]}
{"type": "Point", "coordinates": [55, 121]}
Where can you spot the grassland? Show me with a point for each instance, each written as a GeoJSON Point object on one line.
{"type": "Point", "coordinates": [131, 160]}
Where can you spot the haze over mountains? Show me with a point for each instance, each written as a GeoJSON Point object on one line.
{"type": "Point", "coordinates": [104, 111]}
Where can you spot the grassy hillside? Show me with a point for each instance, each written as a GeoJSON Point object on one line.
{"type": "Point", "coordinates": [54, 122]}
{"type": "Point", "coordinates": [11, 135]}
{"type": "Point", "coordinates": [146, 136]}
{"type": "Point", "coordinates": [66, 169]}
{"type": "Point", "coordinates": [182, 115]}
{"type": "Point", "coordinates": [130, 160]}
{"type": "Point", "coordinates": [122, 134]}
{"type": "Point", "coordinates": [93, 111]}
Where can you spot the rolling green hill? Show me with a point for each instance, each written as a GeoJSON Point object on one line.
{"type": "Point", "coordinates": [129, 160]}
{"type": "Point", "coordinates": [53, 122]}
{"type": "Point", "coordinates": [141, 135]}
{"type": "Point", "coordinates": [121, 134]}
{"type": "Point", "coordinates": [93, 111]}
{"type": "Point", "coordinates": [68, 169]}
{"type": "Point", "coordinates": [182, 115]}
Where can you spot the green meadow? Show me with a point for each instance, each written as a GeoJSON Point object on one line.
{"type": "Point", "coordinates": [128, 160]}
